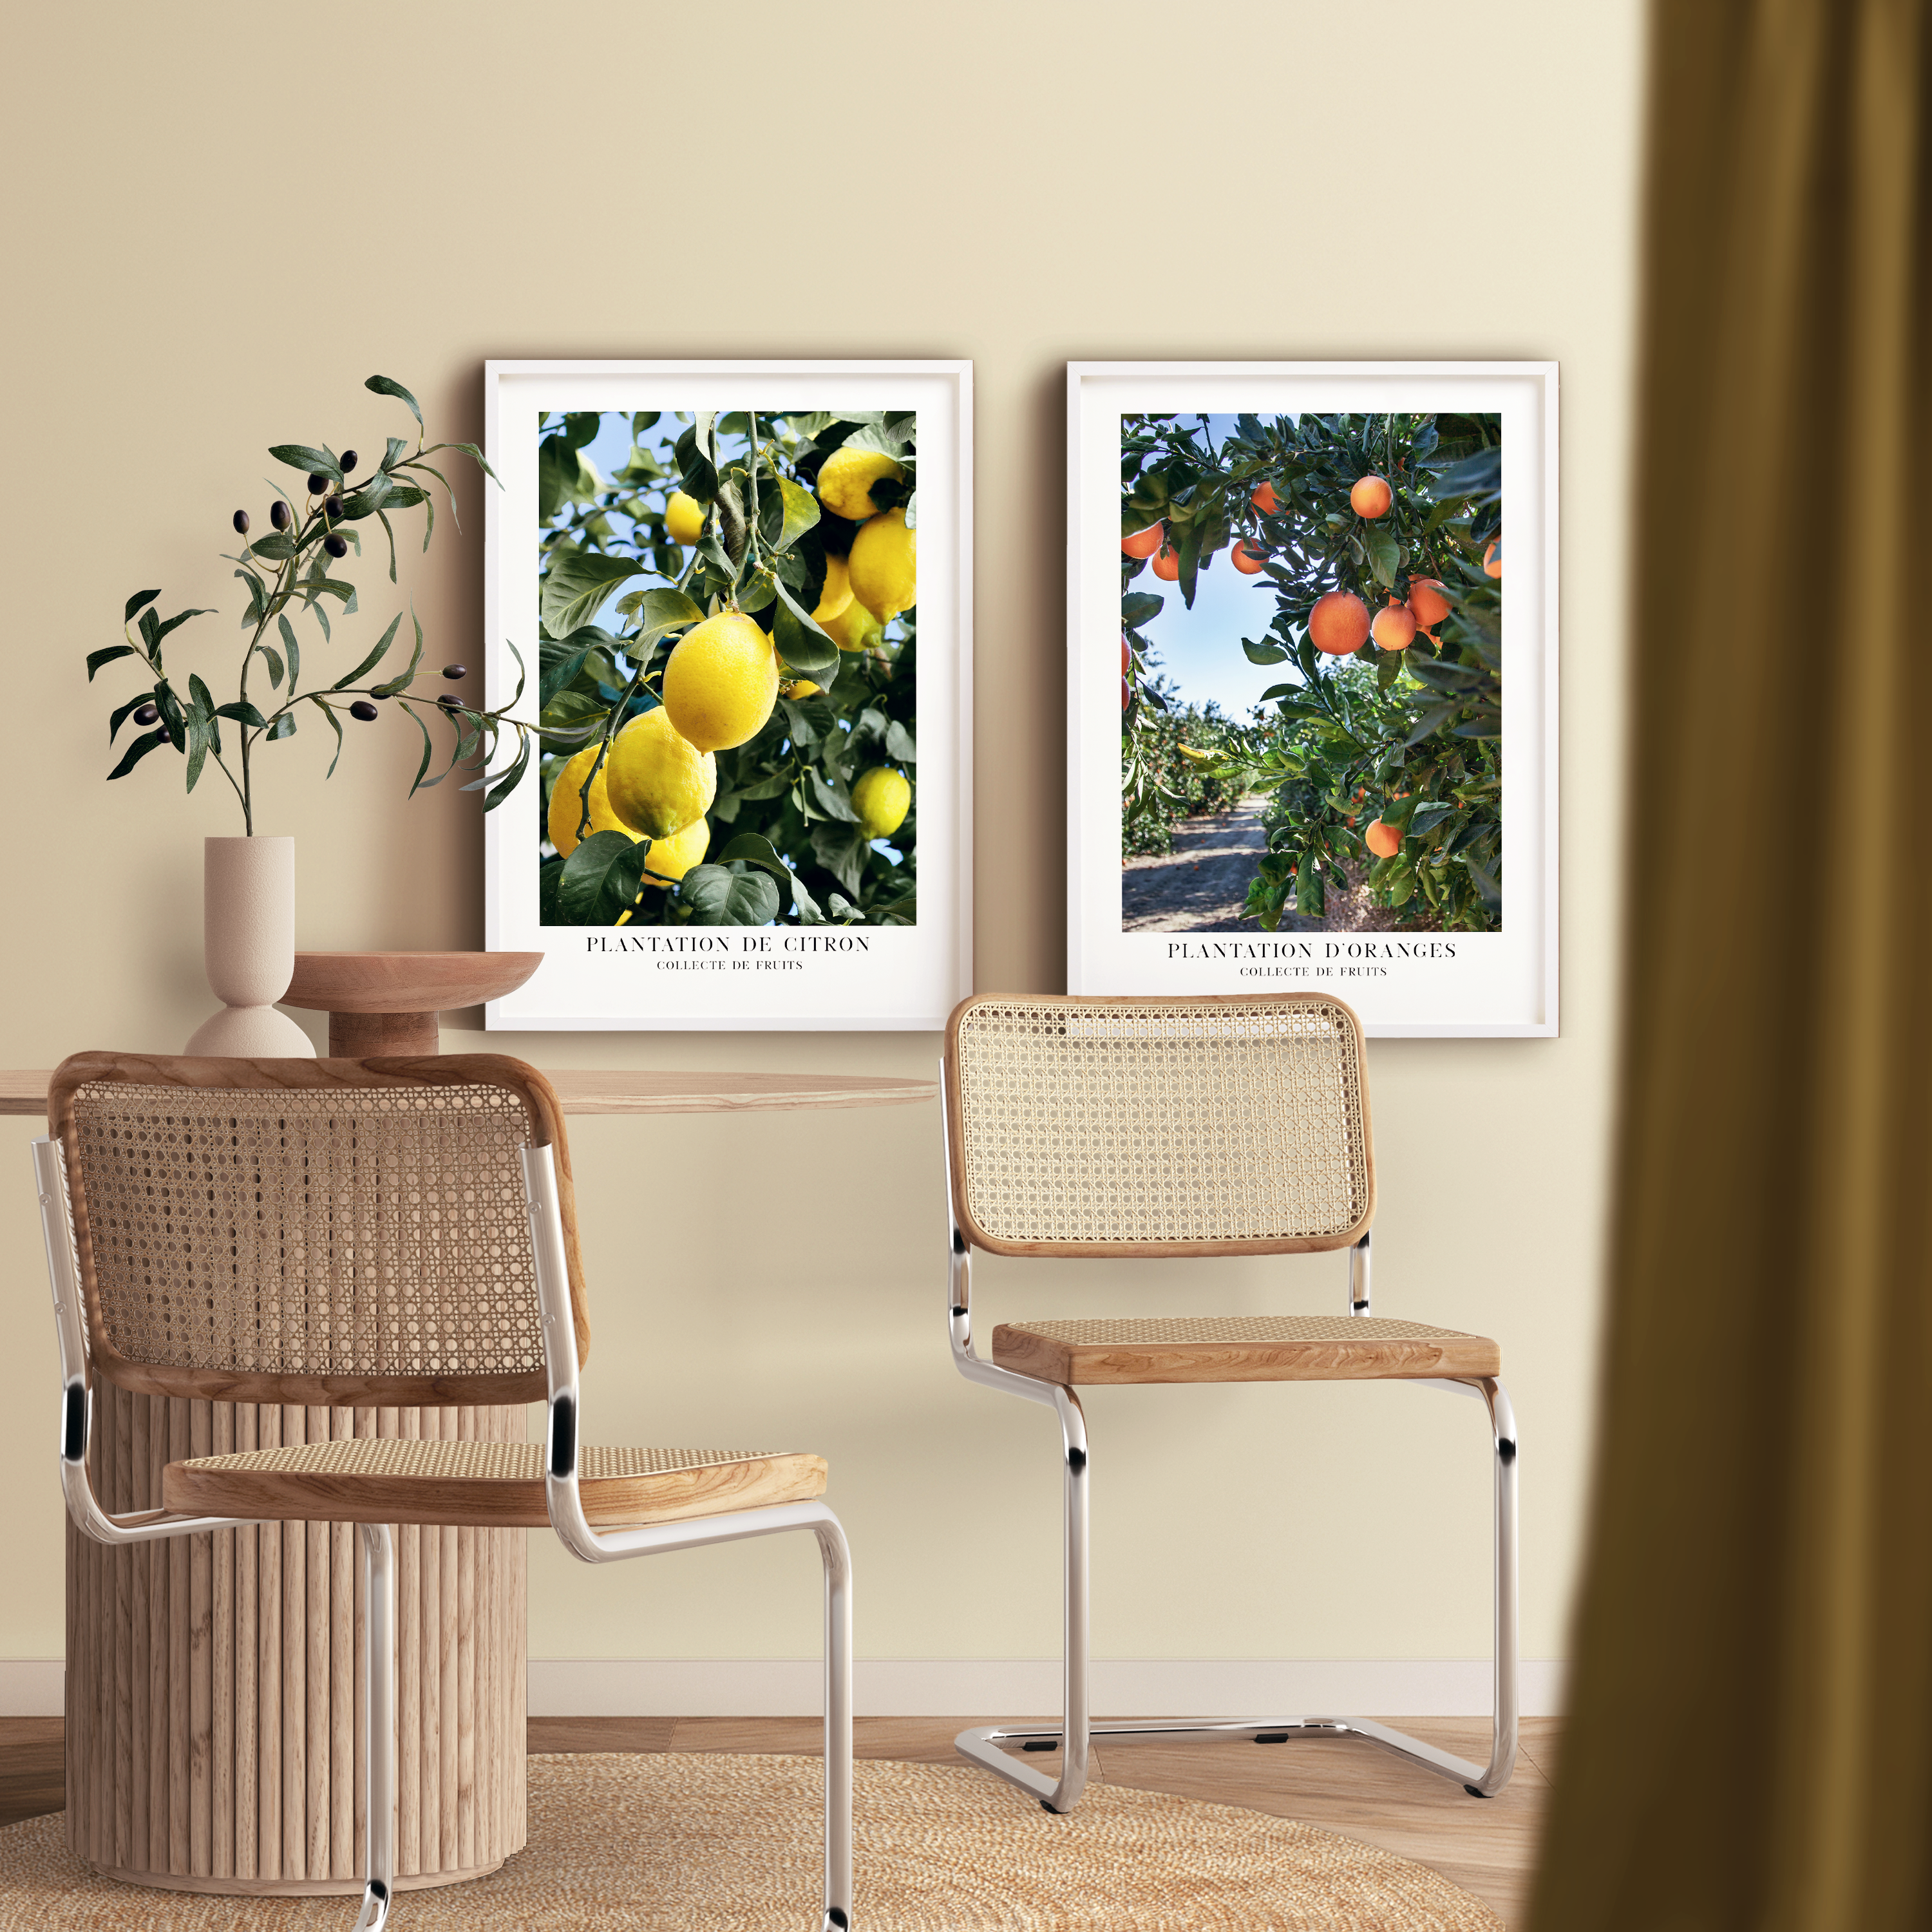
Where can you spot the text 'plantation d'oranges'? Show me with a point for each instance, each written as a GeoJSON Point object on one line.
{"type": "Point", "coordinates": [1339, 624]}
{"type": "Point", "coordinates": [1370, 497]}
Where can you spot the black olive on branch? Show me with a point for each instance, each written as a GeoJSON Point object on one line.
{"type": "Point", "coordinates": [455, 673]}
{"type": "Point", "coordinates": [336, 546]}
{"type": "Point", "coordinates": [333, 507]}
{"type": "Point", "coordinates": [450, 703]}
{"type": "Point", "coordinates": [317, 482]}
{"type": "Point", "coordinates": [348, 462]}
{"type": "Point", "coordinates": [148, 714]}
{"type": "Point", "coordinates": [241, 523]}
{"type": "Point", "coordinates": [365, 710]}
{"type": "Point", "coordinates": [278, 515]}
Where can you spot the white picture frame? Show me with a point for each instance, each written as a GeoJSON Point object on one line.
{"type": "Point", "coordinates": [859, 976]}
{"type": "Point", "coordinates": [1502, 983]}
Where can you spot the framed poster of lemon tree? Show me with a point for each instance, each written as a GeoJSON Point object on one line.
{"type": "Point", "coordinates": [741, 592]}
{"type": "Point", "coordinates": [1312, 686]}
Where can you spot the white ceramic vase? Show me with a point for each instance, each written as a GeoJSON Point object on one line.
{"type": "Point", "coordinates": [248, 926]}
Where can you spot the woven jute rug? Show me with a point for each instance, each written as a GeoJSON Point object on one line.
{"type": "Point", "coordinates": [706, 1842]}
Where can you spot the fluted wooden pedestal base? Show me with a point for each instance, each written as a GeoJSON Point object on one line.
{"type": "Point", "coordinates": [214, 1728]}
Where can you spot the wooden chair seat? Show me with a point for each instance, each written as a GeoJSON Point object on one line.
{"type": "Point", "coordinates": [482, 1485]}
{"type": "Point", "coordinates": [1240, 1348]}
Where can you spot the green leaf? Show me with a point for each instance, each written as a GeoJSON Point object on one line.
{"type": "Point", "coordinates": [1479, 477]}
{"type": "Point", "coordinates": [1264, 653]}
{"type": "Point", "coordinates": [511, 779]}
{"type": "Point", "coordinates": [832, 799]}
{"type": "Point", "coordinates": [577, 583]}
{"type": "Point", "coordinates": [801, 643]}
{"type": "Point", "coordinates": [313, 462]}
{"type": "Point", "coordinates": [754, 850]}
{"type": "Point", "coordinates": [138, 748]}
{"type": "Point", "coordinates": [658, 611]}
{"type": "Point", "coordinates": [389, 687]}
{"type": "Point", "coordinates": [293, 649]}
{"type": "Point", "coordinates": [276, 548]}
{"type": "Point", "coordinates": [789, 513]}
{"type": "Point", "coordinates": [122, 712]}
{"type": "Point", "coordinates": [842, 851]}
{"type": "Point", "coordinates": [1385, 554]}
{"type": "Point", "coordinates": [374, 658]}
{"type": "Point", "coordinates": [418, 783]}
{"type": "Point", "coordinates": [274, 662]}
{"type": "Point", "coordinates": [1140, 606]}
{"type": "Point", "coordinates": [244, 714]}
{"type": "Point", "coordinates": [601, 878]}
{"type": "Point", "coordinates": [134, 603]}
{"type": "Point", "coordinates": [284, 727]}
{"type": "Point", "coordinates": [718, 897]}
{"type": "Point", "coordinates": [389, 531]}
{"type": "Point", "coordinates": [899, 744]}
{"type": "Point", "coordinates": [107, 654]}
{"type": "Point", "coordinates": [383, 386]}
{"type": "Point", "coordinates": [328, 712]}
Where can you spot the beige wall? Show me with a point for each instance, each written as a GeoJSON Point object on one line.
{"type": "Point", "coordinates": [221, 221]}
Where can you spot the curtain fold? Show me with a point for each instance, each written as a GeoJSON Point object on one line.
{"type": "Point", "coordinates": [1750, 1741]}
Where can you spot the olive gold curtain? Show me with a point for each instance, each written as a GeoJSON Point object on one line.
{"type": "Point", "coordinates": [1750, 1743]}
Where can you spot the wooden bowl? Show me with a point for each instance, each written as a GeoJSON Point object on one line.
{"type": "Point", "coordinates": [386, 1003]}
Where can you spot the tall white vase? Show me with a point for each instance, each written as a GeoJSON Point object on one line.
{"type": "Point", "coordinates": [248, 926]}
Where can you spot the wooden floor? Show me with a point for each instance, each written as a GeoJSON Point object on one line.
{"type": "Point", "coordinates": [1485, 1847]}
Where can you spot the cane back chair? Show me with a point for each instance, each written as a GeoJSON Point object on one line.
{"type": "Point", "coordinates": [1144, 1127]}
{"type": "Point", "coordinates": [375, 1233]}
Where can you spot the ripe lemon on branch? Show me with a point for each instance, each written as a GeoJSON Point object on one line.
{"type": "Point", "coordinates": [658, 781]}
{"type": "Point", "coordinates": [566, 804]}
{"type": "Point", "coordinates": [670, 859]}
{"type": "Point", "coordinates": [721, 682]}
{"type": "Point", "coordinates": [845, 481]}
{"type": "Point", "coordinates": [853, 629]}
{"type": "Point", "coordinates": [684, 518]}
{"type": "Point", "coordinates": [881, 798]}
{"type": "Point", "coordinates": [884, 566]}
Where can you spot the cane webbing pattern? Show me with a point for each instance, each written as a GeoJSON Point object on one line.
{"type": "Point", "coordinates": [1152, 1332]}
{"type": "Point", "coordinates": [328, 1231]}
{"type": "Point", "coordinates": [465, 1461]}
{"type": "Point", "coordinates": [1165, 1123]}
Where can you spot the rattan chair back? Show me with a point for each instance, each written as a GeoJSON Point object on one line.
{"type": "Point", "coordinates": [311, 1231]}
{"type": "Point", "coordinates": [1217, 1126]}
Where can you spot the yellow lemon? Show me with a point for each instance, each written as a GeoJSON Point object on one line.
{"type": "Point", "coordinates": [799, 687]}
{"type": "Point", "coordinates": [670, 858]}
{"type": "Point", "coordinates": [884, 566]}
{"type": "Point", "coordinates": [721, 682]}
{"type": "Point", "coordinates": [838, 592]}
{"type": "Point", "coordinates": [855, 628]}
{"type": "Point", "coordinates": [845, 481]}
{"type": "Point", "coordinates": [657, 780]}
{"type": "Point", "coordinates": [566, 803]}
{"type": "Point", "coordinates": [880, 798]}
{"type": "Point", "coordinates": [684, 518]}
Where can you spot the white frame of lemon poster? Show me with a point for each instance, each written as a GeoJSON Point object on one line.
{"type": "Point", "coordinates": [1496, 983]}
{"type": "Point", "coordinates": [849, 978]}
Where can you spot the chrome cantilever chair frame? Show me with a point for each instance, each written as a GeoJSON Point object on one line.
{"type": "Point", "coordinates": [1077, 1728]}
{"type": "Point", "coordinates": [566, 1506]}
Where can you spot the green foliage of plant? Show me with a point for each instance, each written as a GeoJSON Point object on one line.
{"type": "Point", "coordinates": [786, 843]}
{"type": "Point", "coordinates": [1160, 783]}
{"type": "Point", "coordinates": [292, 567]}
{"type": "Point", "coordinates": [1413, 736]}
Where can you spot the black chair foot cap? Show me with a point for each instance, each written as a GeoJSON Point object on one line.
{"type": "Point", "coordinates": [1041, 1744]}
{"type": "Point", "coordinates": [1475, 1793]}
{"type": "Point", "coordinates": [1270, 1737]}
{"type": "Point", "coordinates": [1048, 1809]}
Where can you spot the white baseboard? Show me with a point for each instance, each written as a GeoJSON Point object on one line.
{"type": "Point", "coordinates": [32, 1687]}
{"type": "Point", "coordinates": [771, 1688]}
{"type": "Point", "coordinates": [991, 1688]}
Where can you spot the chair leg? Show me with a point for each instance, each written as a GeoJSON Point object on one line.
{"type": "Point", "coordinates": [379, 1726]}
{"type": "Point", "coordinates": [1076, 1730]}
{"type": "Point", "coordinates": [837, 1561]}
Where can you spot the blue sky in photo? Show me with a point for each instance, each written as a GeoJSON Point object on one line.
{"type": "Point", "coordinates": [1200, 649]}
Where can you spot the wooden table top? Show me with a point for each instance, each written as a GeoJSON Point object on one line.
{"type": "Point", "coordinates": [584, 1091]}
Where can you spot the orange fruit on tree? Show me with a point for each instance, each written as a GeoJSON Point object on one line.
{"type": "Point", "coordinates": [1383, 841]}
{"type": "Point", "coordinates": [1370, 497]}
{"type": "Point", "coordinates": [1394, 627]}
{"type": "Point", "coordinates": [1265, 500]}
{"type": "Point", "coordinates": [1427, 601]}
{"type": "Point", "coordinates": [1339, 624]}
{"type": "Point", "coordinates": [1167, 563]}
{"type": "Point", "coordinates": [1245, 558]}
{"type": "Point", "coordinates": [1126, 693]}
{"type": "Point", "coordinates": [1492, 558]}
{"type": "Point", "coordinates": [1143, 543]}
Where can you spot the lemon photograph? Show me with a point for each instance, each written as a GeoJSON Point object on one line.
{"type": "Point", "coordinates": [728, 637]}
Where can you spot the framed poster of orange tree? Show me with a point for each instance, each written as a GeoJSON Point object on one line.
{"type": "Point", "coordinates": [1311, 686]}
{"type": "Point", "coordinates": [740, 593]}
